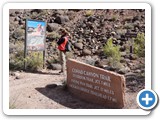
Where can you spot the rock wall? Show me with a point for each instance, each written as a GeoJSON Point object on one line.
{"type": "Point", "coordinates": [90, 30]}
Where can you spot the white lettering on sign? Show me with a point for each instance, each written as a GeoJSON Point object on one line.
{"type": "Point", "coordinates": [79, 88]}
{"type": "Point", "coordinates": [97, 94]}
{"type": "Point", "coordinates": [91, 88]}
{"type": "Point", "coordinates": [89, 79]}
{"type": "Point", "coordinates": [89, 85]}
{"type": "Point", "coordinates": [98, 82]}
{"type": "Point", "coordinates": [79, 76]}
{"type": "Point", "coordinates": [91, 74]}
{"type": "Point", "coordinates": [104, 77]}
{"type": "Point", "coordinates": [107, 84]}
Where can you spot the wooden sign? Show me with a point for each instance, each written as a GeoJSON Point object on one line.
{"type": "Point", "coordinates": [95, 85]}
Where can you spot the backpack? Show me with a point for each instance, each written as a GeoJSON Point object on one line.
{"type": "Point", "coordinates": [68, 46]}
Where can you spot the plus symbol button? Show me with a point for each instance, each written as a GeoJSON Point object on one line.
{"type": "Point", "coordinates": [147, 99]}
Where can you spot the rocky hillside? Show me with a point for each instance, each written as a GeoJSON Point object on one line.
{"type": "Point", "coordinates": [90, 31]}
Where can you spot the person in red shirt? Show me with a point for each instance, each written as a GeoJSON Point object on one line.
{"type": "Point", "coordinates": [62, 48]}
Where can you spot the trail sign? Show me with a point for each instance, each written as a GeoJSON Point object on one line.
{"type": "Point", "coordinates": [35, 36]}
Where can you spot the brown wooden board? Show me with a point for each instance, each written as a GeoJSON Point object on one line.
{"type": "Point", "coordinates": [95, 85]}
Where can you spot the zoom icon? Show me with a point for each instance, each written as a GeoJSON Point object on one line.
{"type": "Point", "coordinates": [147, 99]}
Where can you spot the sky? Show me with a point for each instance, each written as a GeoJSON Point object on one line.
{"type": "Point", "coordinates": [33, 23]}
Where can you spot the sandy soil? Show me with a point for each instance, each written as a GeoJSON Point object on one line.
{"type": "Point", "coordinates": [43, 90]}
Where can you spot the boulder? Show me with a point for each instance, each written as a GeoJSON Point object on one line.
{"type": "Point", "coordinates": [123, 54]}
{"type": "Point", "coordinates": [78, 46]}
{"type": "Point", "coordinates": [18, 33]}
{"type": "Point", "coordinates": [56, 67]}
{"type": "Point", "coordinates": [122, 48]}
{"type": "Point", "coordinates": [133, 57]}
{"type": "Point", "coordinates": [91, 19]}
{"type": "Point", "coordinates": [86, 52]}
{"type": "Point", "coordinates": [117, 37]}
{"type": "Point", "coordinates": [17, 75]}
{"type": "Point", "coordinates": [17, 18]}
{"type": "Point", "coordinates": [137, 71]}
{"type": "Point", "coordinates": [52, 27]}
{"type": "Point", "coordinates": [58, 12]}
{"type": "Point", "coordinates": [77, 52]}
{"type": "Point", "coordinates": [135, 18]}
{"type": "Point", "coordinates": [61, 19]}
{"type": "Point", "coordinates": [101, 63]}
{"type": "Point", "coordinates": [36, 10]}
{"type": "Point", "coordinates": [124, 70]}
{"type": "Point", "coordinates": [113, 33]}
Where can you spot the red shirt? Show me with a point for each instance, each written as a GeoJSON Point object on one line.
{"type": "Point", "coordinates": [62, 46]}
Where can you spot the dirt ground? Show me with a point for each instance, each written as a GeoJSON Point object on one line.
{"type": "Point", "coordinates": [43, 90]}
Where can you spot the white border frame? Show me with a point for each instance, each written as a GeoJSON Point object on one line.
{"type": "Point", "coordinates": [104, 5]}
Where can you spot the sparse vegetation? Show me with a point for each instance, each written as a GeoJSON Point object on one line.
{"type": "Point", "coordinates": [139, 45]}
{"type": "Point", "coordinates": [114, 64]}
{"type": "Point", "coordinates": [114, 17]}
{"type": "Point", "coordinates": [113, 52]}
{"type": "Point", "coordinates": [89, 13]}
{"type": "Point", "coordinates": [16, 62]}
{"type": "Point", "coordinates": [34, 60]}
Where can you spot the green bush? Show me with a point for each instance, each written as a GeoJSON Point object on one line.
{"type": "Point", "coordinates": [139, 45]}
{"type": "Point", "coordinates": [114, 64]}
{"type": "Point", "coordinates": [16, 61]}
{"type": "Point", "coordinates": [16, 55]}
{"type": "Point", "coordinates": [113, 52]}
{"type": "Point", "coordinates": [34, 61]}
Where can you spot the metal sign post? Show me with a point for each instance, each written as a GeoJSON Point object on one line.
{"type": "Point", "coordinates": [131, 35]}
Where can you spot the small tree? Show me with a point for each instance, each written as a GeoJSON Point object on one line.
{"type": "Point", "coordinates": [139, 45]}
{"type": "Point", "coordinates": [113, 52]}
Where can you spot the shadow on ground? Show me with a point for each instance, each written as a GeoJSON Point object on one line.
{"type": "Point", "coordinates": [61, 95]}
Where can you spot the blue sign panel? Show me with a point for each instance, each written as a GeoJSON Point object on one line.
{"type": "Point", "coordinates": [35, 35]}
